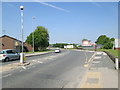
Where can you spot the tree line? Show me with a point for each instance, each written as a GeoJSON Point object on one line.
{"type": "Point", "coordinates": [41, 40]}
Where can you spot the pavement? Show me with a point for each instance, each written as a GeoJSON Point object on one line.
{"type": "Point", "coordinates": [38, 53]}
{"type": "Point", "coordinates": [68, 69]}
{"type": "Point", "coordinates": [101, 73]}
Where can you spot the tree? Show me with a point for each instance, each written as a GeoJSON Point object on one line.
{"type": "Point", "coordinates": [105, 41]}
{"type": "Point", "coordinates": [60, 45]}
{"type": "Point", "coordinates": [84, 40]}
{"type": "Point", "coordinates": [41, 38]}
{"type": "Point", "coordinates": [75, 45]}
{"type": "Point", "coordinates": [108, 45]}
{"type": "Point", "coordinates": [112, 39]}
{"type": "Point", "coordinates": [102, 39]}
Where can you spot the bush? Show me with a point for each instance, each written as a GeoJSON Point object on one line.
{"type": "Point", "coordinates": [108, 46]}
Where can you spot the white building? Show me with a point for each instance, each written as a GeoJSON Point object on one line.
{"type": "Point", "coordinates": [69, 46]}
{"type": "Point", "coordinates": [117, 44]}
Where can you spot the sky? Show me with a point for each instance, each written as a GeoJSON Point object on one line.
{"type": "Point", "coordinates": [67, 22]}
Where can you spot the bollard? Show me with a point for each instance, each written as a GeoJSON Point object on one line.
{"type": "Point", "coordinates": [22, 58]}
{"type": "Point", "coordinates": [117, 63]}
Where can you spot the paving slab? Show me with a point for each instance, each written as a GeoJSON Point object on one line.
{"type": "Point", "coordinates": [101, 73]}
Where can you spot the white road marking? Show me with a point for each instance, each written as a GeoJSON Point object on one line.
{"type": "Point", "coordinates": [47, 58]}
{"type": "Point", "coordinates": [104, 54]}
{"type": "Point", "coordinates": [92, 57]}
{"type": "Point", "coordinates": [99, 53]}
{"type": "Point", "coordinates": [34, 60]}
{"type": "Point", "coordinates": [90, 51]}
{"type": "Point", "coordinates": [22, 70]}
{"type": "Point", "coordinates": [52, 56]}
{"type": "Point", "coordinates": [95, 62]}
{"type": "Point", "coordinates": [7, 75]}
{"type": "Point", "coordinates": [40, 62]}
{"type": "Point", "coordinates": [97, 57]}
{"type": "Point", "coordinates": [24, 67]}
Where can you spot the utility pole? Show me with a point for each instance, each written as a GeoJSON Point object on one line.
{"type": "Point", "coordinates": [22, 55]}
{"type": "Point", "coordinates": [33, 34]}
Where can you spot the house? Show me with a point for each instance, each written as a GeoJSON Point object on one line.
{"type": "Point", "coordinates": [117, 44]}
{"type": "Point", "coordinates": [69, 46]}
{"type": "Point", "coordinates": [7, 42]}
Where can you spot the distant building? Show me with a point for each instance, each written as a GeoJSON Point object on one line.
{"type": "Point", "coordinates": [86, 44]}
{"type": "Point", "coordinates": [99, 46]}
{"type": "Point", "coordinates": [7, 42]}
{"type": "Point", "coordinates": [69, 46]}
{"type": "Point", "coordinates": [117, 44]}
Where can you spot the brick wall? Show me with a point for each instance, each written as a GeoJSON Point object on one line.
{"type": "Point", "coordinates": [7, 43]}
{"type": "Point", "coordinates": [29, 47]}
{"type": "Point", "coordinates": [117, 48]}
{"type": "Point", "coordinates": [11, 43]}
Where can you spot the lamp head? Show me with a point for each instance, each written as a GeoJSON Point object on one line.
{"type": "Point", "coordinates": [21, 7]}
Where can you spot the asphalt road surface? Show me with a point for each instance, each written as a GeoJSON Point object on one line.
{"type": "Point", "coordinates": [55, 70]}
{"type": "Point", "coordinates": [27, 58]}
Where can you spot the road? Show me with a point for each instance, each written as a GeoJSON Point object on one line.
{"type": "Point", "coordinates": [55, 70]}
{"type": "Point", "coordinates": [28, 58]}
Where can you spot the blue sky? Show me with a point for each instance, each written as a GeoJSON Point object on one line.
{"type": "Point", "coordinates": [76, 20]}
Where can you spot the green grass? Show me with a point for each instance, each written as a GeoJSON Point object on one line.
{"type": "Point", "coordinates": [111, 51]}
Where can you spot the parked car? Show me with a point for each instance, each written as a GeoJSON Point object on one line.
{"type": "Point", "coordinates": [57, 50]}
{"type": "Point", "coordinates": [9, 54]}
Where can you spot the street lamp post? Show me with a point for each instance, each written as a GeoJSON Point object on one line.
{"type": "Point", "coordinates": [21, 8]}
{"type": "Point", "coordinates": [33, 34]}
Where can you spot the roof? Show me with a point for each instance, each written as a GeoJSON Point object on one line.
{"type": "Point", "coordinates": [10, 37]}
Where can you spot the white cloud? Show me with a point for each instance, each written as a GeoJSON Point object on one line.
{"type": "Point", "coordinates": [95, 3]}
{"type": "Point", "coordinates": [58, 8]}
{"type": "Point", "coordinates": [61, 0]}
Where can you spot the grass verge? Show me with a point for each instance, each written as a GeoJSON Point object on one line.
{"type": "Point", "coordinates": [115, 53]}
